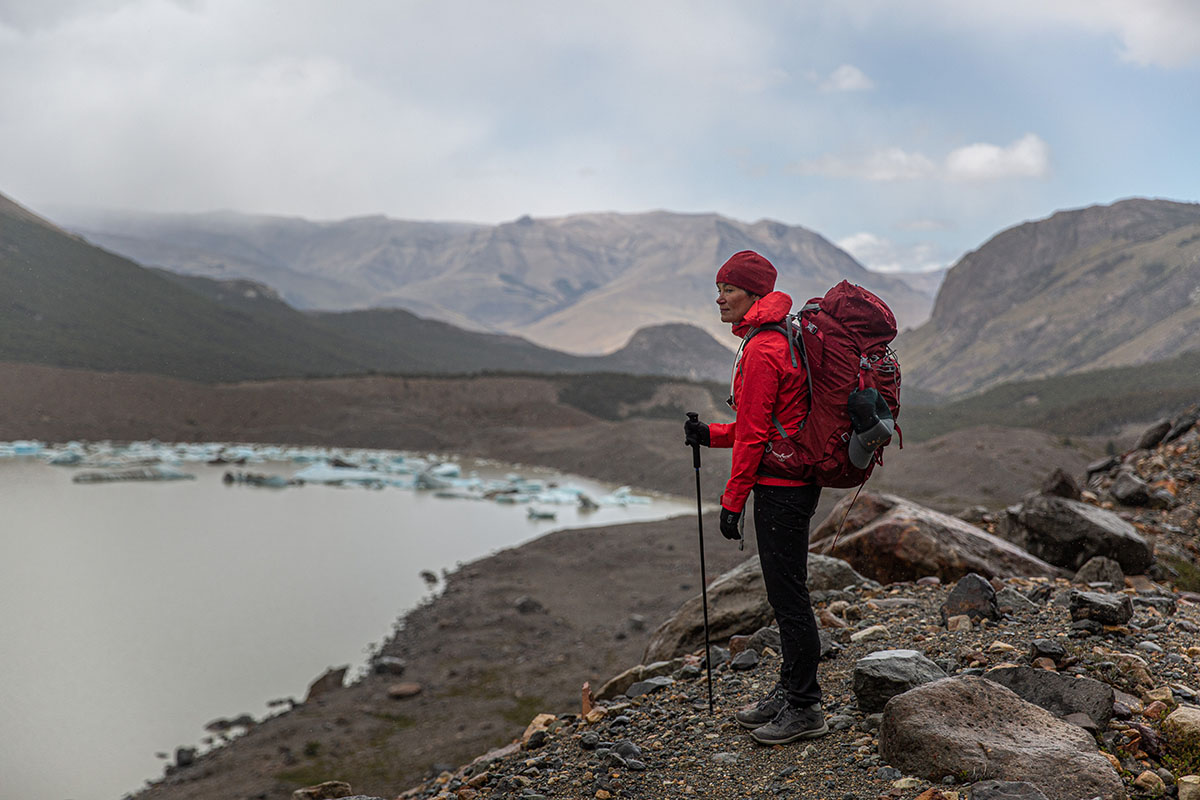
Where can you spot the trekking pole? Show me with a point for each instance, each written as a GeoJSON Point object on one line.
{"type": "Point", "coordinates": [692, 415]}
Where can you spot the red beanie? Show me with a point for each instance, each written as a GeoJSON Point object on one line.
{"type": "Point", "coordinates": [750, 271]}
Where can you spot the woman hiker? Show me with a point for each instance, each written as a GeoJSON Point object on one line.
{"type": "Point", "coordinates": [765, 385]}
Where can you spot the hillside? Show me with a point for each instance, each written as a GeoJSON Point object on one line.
{"type": "Point", "coordinates": [582, 283]}
{"type": "Point", "coordinates": [1103, 286]}
{"type": "Point", "coordinates": [75, 305]}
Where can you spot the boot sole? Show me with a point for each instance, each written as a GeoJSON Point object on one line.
{"type": "Point", "coordinates": [809, 734]}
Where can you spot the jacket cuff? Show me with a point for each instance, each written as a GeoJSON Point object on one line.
{"type": "Point", "coordinates": [720, 434]}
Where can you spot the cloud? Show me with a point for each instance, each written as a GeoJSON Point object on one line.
{"type": "Point", "coordinates": [1028, 157]}
{"type": "Point", "coordinates": [847, 78]}
{"type": "Point", "coordinates": [925, 225]}
{"type": "Point", "coordinates": [883, 255]}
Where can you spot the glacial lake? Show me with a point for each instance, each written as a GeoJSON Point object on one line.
{"type": "Point", "coordinates": [134, 613]}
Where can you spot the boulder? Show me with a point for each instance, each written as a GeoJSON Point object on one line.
{"type": "Point", "coordinates": [880, 676]}
{"type": "Point", "coordinates": [1067, 533]}
{"type": "Point", "coordinates": [1060, 484]}
{"type": "Point", "coordinates": [1107, 609]}
{"type": "Point", "coordinates": [890, 539]}
{"type": "Point", "coordinates": [1059, 694]}
{"type": "Point", "coordinates": [826, 573]}
{"type": "Point", "coordinates": [973, 596]}
{"type": "Point", "coordinates": [1183, 424]}
{"type": "Point", "coordinates": [974, 727]}
{"type": "Point", "coordinates": [1129, 490]}
{"type": "Point", "coordinates": [737, 604]}
{"type": "Point", "coordinates": [1010, 601]}
{"type": "Point", "coordinates": [1100, 569]}
{"type": "Point", "coordinates": [1153, 435]}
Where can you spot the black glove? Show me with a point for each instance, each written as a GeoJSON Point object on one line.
{"type": "Point", "coordinates": [729, 524]}
{"type": "Point", "coordinates": [862, 406]}
{"type": "Point", "coordinates": [695, 432]}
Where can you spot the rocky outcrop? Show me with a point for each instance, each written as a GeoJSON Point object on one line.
{"type": "Point", "coordinates": [975, 728]}
{"type": "Point", "coordinates": [1067, 533]}
{"type": "Point", "coordinates": [888, 539]}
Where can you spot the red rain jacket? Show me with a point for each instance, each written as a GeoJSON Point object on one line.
{"type": "Point", "coordinates": [764, 383]}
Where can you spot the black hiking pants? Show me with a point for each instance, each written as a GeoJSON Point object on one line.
{"type": "Point", "coordinates": [781, 518]}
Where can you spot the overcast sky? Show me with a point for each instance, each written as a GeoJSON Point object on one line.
{"type": "Point", "coordinates": [907, 132]}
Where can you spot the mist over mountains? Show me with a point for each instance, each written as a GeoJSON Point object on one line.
{"type": "Point", "coordinates": [582, 283]}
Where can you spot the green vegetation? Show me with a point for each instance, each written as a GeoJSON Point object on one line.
{"type": "Point", "coordinates": [614, 396]}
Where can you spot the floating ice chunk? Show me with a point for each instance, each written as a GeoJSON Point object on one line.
{"type": "Point", "coordinates": [327, 474]}
{"type": "Point", "coordinates": [158, 472]}
{"type": "Point", "coordinates": [446, 470]}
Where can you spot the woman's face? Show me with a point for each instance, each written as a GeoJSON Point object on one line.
{"type": "Point", "coordinates": [733, 302]}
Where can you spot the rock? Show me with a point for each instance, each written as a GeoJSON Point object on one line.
{"type": "Point", "coordinates": [1153, 435]}
{"type": "Point", "coordinates": [1130, 490]}
{"type": "Point", "coordinates": [871, 633]}
{"type": "Point", "coordinates": [826, 573]}
{"type": "Point", "coordinates": [890, 539]}
{"type": "Point", "coordinates": [329, 790]}
{"type": "Point", "coordinates": [528, 605]}
{"type": "Point", "coordinates": [745, 660]}
{"type": "Point", "coordinates": [329, 681]}
{"type": "Point", "coordinates": [880, 676]}
{"type": "Point", "coordinates": [738, 643]}
{"type": "Point", "coordinates": [185, 757]}
{"type": "Point", "coordinates": [649, 685]}
{"type": "Point", "coordinates": [1189, 787]}
{"type": "Point", "coordinates": [617, 684]}
{"type": "Point", "coordinates": [1106, 464]}
{"type": "Point", "coordinates": [1067, 533]}
{"type": "Point", "coordinates": [1048, 648]}
{"type": "Point", "coordinates": [537, 725]}
{"type": "Point", "coordinates": [1107, 609]}
{"type": "Point", "coordinates": [1058, 694]}
{"type": "Point", "coordinates": [403, 691]}
{"type": "Point", "coordinates": [1100, 569]}
{"type": "Point", "coordinates": [766, 637]}
{"type": "Point", "coordinates": [973, 726]}
{"type": "Point", "coordinates": [1005, 790]}
{"type": "Point", "coordinates": [962, 622]}
{"type": "Point", "coordinates": [389, 665]}
{"type": "Point", "coordinates": [1182, 729]}
{"type": "Point", "coordinates": [1182, 425]}
{"type": "Point", "coordinates": [1149, 783]}
{"type": "Point", "coordinates": [1060, 484]}
{"type": "Point", "coordinates": [1163, 605]}
{"type": "Point", "coordinates": [972, 596]}
{"type": "Point", "coordinates": [737, 603]}
{"type": "Point", "coordinates": [1010, 601]}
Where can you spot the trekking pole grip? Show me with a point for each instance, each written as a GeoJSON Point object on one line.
{"type": "Point", "coordinates": [694, 417]}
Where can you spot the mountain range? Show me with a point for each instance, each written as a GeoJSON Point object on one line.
{"type": "Point", "coordinates": [1086, 289]}
{"type": "Point", "coordinates": [1083, 291]}
{"type": "Point", "coordinates": [69, 303]}
{"type": "Point", "coordinates": [582, 283]}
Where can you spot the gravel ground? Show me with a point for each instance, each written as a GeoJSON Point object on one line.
{"type": "Point", "coordinates": [686, 750]}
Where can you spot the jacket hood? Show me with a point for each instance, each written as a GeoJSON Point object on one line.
{"type": "Point", "coordinates": [766, 310]}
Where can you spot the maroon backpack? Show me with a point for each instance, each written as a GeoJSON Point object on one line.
{"type": "Point", "coordinates": [842, 339]}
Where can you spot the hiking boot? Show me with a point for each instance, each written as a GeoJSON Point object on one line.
{"type": "Point", "coordinates": [764, 710]}
{"type": "Point", "coordinates": [792, 723]}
